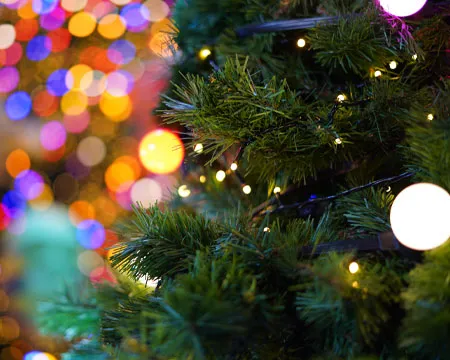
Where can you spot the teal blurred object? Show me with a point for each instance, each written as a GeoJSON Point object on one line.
{"type": "Point", "coordinates": [49, 249]}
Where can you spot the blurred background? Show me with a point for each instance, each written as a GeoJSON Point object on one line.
{"type": "Point", "coordinates": [79, 81]}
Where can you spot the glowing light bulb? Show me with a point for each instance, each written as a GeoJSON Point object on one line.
{"type": "Point", "coordinates": [419, 216]}
{"type": "Point", "coordinates": [204, 53]}
{"type": "Point", "coordinates": [247, 189]}
{"type": "Point", "coordinates": [233, 166]}
{"type": "Point", "coordinates": [402, 7]}
{"type": "Point", "coordinates": [341, 97]}
{"type": "Point", "coordinates": [388, 189]}
{"type": "Point", "coordinates": [393, 64]}
{"type": "Point", "coordinates": [355, 284]}
{"type": "Point", "coordinates": [301, 42]}
{"type": "Point", "coordinates": [202, 179]}
{"type": "Point", "coordinates": [266, 229]}
{"type": "Point", "coordinates": [183, 191]}
{"type": "Point", "coordinates": [277, 190]}
{"type": "Point", "coordinates": [353, 267]}
{"type": "Point", "coordinates": [338, 141]}
{"type": "Point", "coordinates": [198, 148]}
{"type": "Point", "coordinates": [414, 57]}
{"type": "Point", "coordinates": [377, 73]}
{"type": "Point", "coordinates": [220, 175]}
{"type": "Point", "coordinates": [430, 117]}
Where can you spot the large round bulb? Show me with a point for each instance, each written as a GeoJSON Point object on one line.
{"type": "Point", "coordinates": [420, 216]}
{"type": "Point", "coordinates": [402, 7]}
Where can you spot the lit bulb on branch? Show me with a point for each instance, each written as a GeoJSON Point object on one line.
{"type": "Point", "coordinates": [301, 42]}
{"type": "Point", "coordinates": [246, 189]}
{"type": "Point", "coordinates": [234, 166]}
{"type": "Point", "coordinates": [266, 229]}
{"type": "Point", "coordinates": [183, 191]}
{"type": "Point", "coordinates": [277, 190]}
{"type": "Point", "coordinates": [430, 117]}
{"type": "Point", "coordinates": [341, 98]}
{"type": "Point", "coordinates": [393, 65]}
{"type": "Point", "coordinates": [414, 57]}
{"type": "Point", "coordinates": [220, 175]}
{"type": "Point", "coordinates": [420, 216]}
{"type": "Point", "coordinates": [204, 53]}
{"type": "Point", "coordinates": [202, 179]}
{"type": "Point", "coordinates": [338, 141]}
{"type": "Point", "coordinates": [402, 7]}
{"type": "Point", "coordinates": [377, 73]}
{"type": "Point", "coordinates": [353, 267]}
{"type": "Point", "coordinates": [198, 148]}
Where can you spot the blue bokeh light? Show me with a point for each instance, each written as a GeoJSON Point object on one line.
{"type": "Point", "coordinates": [18, 105]}
{"type": "Point", "coordinates": [39, 48]}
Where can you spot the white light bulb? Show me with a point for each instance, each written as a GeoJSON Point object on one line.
{"type": "Point", "coordinates": [234, 166]}
{"type": "Point", "coordinates": [430, 117]}
{"type": "Point", "coordinates": [183, 191]}
{"type": "Point", "coordinates": [338, 141]}
{"type": "Point", "coordinates": [414, 57]}
{"type": "Point", "coordinates": [393, 64]}
{"type": "Point", "coordinates": [198, 148]}
{"type": "Point", "coordinates": [402, 7]}
{"type": "Point", "coordinates": [420, 216]}
{"type": "Point", "coordinates": [247, 189]}
{"type": "Point", "coordinates": [220, 175]}
{"type": "Point", "coordinates": [341, 97]}
{"type": "Point", "coordinates": [266, 229]}
{"type": "Point", "coordinates": [353, 267]}
{"type": "Point", "coordinates": [277, 190]}
{"type": "Point", "coordinates": [301, 42]}
{"type": "Point", "coordinates": [377, 73]}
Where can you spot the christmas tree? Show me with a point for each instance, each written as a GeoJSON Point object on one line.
{"type": "Point", "coordinates": [317, 228]}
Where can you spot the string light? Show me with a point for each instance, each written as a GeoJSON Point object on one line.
{"type": "Point", "coordinates": [393, 64]}
{"type": "Point", "coordinates": [183, 191]}
{"type": "Point", "coordinates": [355, 284]}
{"type": "Point", "coordinates": [338, 141]}
{"type": "Point", "coordinates": [353, 267]}
{"type": "Point", "coordinates": [388, 189]}
{"type": "Point", "coordinates": [220, 175]}
{"type": "Point", "coordinates": [430, 117]}
{"type": "Point", "coordinates": [233, 166]}
{"type": "Point", "coordinates": [247, 189]}
{"type": "Point", "coordinates": [341, 97]}
{"type": "Point", "coordinates": [301, 42]}
{"type": "Point", "coordinates": [377, 73]}
{"type": "Point", "coordinates": [198, 148]}
{"type": "Point", "coordinates": [202, 179]}
{"type": "Point", "coordinates": [204, 53]}
{"type": "Point", "coordinates": [267, 229]}
{"type": "Point", "coordinates": [277, 190]}
{"type": "Point", "coordinates": [414, 57]}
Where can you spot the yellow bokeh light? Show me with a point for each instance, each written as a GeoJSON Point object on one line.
{"type": "Point", "coordinates": [204, 53]}
{"type": "Point", "coordinates": [162, 45]}
{"type": "Point", "coordinates": [44, 200]}
{"type": "Point", "coordinates": [115, 108]}
{"type": "Point", "coordinates": [82, 24]}
{"type": "Point", "coordinates": [16, 162]}
{"type": "Point", "coordinates": [276, 190]}
{"type": "Point", "coordinates": [77, 78]}
{"type": "Point", "coordinates": [106, 210]}
{"type": "Point", "coordinates": [74, 102]}
{"type": "Point", "coordinates": [161, 152]}
{"type": "Point", "coordinates": [133, 163]}
{"type": "Point", "coordinates": [202, 179]}
{"type": "Point", "coordinates": [353, 267]}
{"type": "Point", "coordinates": [220, 175]}
{"type": "Point", "coordinates": [81, 210]}
{"type": "Point", "coordinates": [112, 26]}
{"type": "Point", "coordinates": [9, 329]}
{"type": "Point", "coordinates": [73, 5]}
{"type": "Point", "coordinates": [301, 43]}
{"type": "Point", "coordinates": [184, 191]}
{"type": "Point", "coordinates": [119, 175]}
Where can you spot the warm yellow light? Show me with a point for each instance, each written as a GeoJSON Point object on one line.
{"type": "Point", "coordinates": [377, 73]}
{"type": "Point", "coordinates": [301, 42]}
{"type": "Point", "coordinates": [220, 175]}
{"type": "Point", "coordinates": [202, 179]}
{"type": "Point", "coordinates": [247, 189]}
{"type": "Point", "coordinates": [341, 97]}
{"type": "Point", "coordinates": [234, 166]}
{"type": "Point", "coordinates": [419, 216]}
{"type": "Point", "coordinates": [183, 191]}
{"type": "Point", "coordinates": [74, 103]}
{"type": "Point", "coordinates": [82, 24]}
{"type": "Point", "coordinates": [430, 117]}
{"type": "Point", "coordinates": [353, 267]}
{"type": "Point", "coordinates": [204, 53]}
{"type": "Point", "coordinates": [393, 64]}
{"type": "Point", "coordinates": [277, 190]}
{"type": "Point", "coordinates": [266, 229]}
{"type": "Point", "coordinates": [161, 151]}
{"type": "Point", "coordinates": [414, 57]}
{"type": "Point", "coordinates": [81, 210]}
{"type": "Point", "coordinates": [115, 108]}
{"type": "Point", "coordinates": [198, 148]}
{"type": "Point", "coordinates": [112, 26]}
{"type": "Point", "coordinates": [355, 284]}
{"type": "Point", "coordinates": [338, 141]}
{"type": "Point", "coordinates": [76, 74]}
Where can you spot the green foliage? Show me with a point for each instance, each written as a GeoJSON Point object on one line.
{"type": "Point", "coordinates": [164, 244]}
{"type": "Point", "coordinates": [426, 331]}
